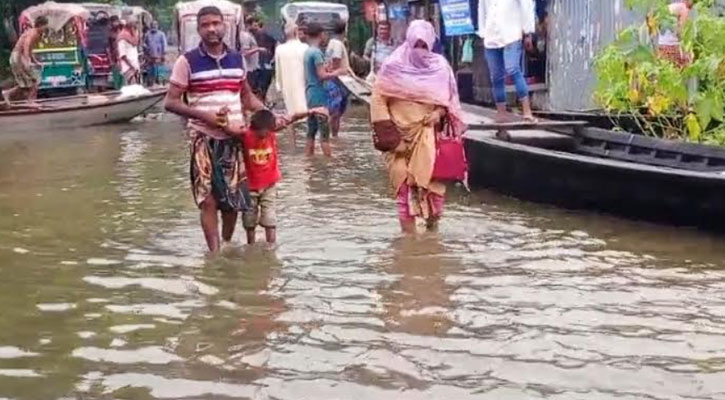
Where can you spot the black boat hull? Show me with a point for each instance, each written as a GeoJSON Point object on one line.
{"type": "Point", "coordinates": [571, 180]}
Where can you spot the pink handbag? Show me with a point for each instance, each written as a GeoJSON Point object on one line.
{"type": "Point", "coordinates": [450, 163]}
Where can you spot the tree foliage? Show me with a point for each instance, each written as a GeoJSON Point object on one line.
{"type": "Point", "coordinates": [665, 99]}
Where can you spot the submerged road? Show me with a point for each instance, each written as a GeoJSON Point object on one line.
{"type": "Point", "coordinates": [105, 293]}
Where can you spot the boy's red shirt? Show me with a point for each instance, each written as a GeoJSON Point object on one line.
{"type": "Point", "coordinates": [260, 160]}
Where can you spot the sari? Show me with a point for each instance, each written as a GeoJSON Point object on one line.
{"type": "Point", "coordinates": [412, 84]}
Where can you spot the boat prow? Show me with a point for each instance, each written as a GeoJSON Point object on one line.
{"type": "Point", "coordinates": [78, 111]}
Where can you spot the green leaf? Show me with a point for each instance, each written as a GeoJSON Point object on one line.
{"type": "Point", "coordinates": [693, 127]}
{"type": "Point", "coordinates": [704, 111]}
{"type": "Point", "coordinates": [717, 107]}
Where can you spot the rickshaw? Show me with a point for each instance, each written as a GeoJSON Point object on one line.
{"type": "Point", "coordinates": [186, 26]}
{"type": "Point", "coordinates": [60, 51]}
{"type": "Point", "coordinates": [98, 33]}
{"type": "Point", "coordinates": [323, 13]}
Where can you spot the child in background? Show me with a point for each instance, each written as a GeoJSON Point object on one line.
{"type": "Point", "coordinates": [262, 165]}
{"type": "Point", "coordinates": [316, 73]}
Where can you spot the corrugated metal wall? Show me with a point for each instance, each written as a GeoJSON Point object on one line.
{"type": "Point", "coordinates": [578, 29]}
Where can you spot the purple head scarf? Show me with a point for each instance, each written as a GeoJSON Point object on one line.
{"type": "Point", "coordinates": [420, 75]}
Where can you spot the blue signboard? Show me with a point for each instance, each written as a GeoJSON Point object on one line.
{"type": "Point", "coordinates": [457, 18]}
{"type": "Point", "coordinates": [398, 11]}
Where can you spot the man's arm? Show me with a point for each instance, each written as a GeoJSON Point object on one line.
{"type": "Point", "coordinates": [324, 75]}
{"type": "Point", "coordinates": [368, 52]}
{"type": "Point", "coordinates": [174, 103]}
{"type": "Point", "coordinates": [164, 44]}
{"type": "Point", "coordinates": [322, 72]}
{"type": "Point", "coordinates": [250, 102]}
{"type": "Point", "coordinates": [336, 53]}
{"type": "Point", "coordinates": [28, 48]}
{"type": "Point", "coordinates": [277, 72]}
{"type": "Point", "coordinates": [253, 51]}
{"type": "Point", "coordinates": [528, 16]}
{"type": "Point", "coordinates": [481, 17]}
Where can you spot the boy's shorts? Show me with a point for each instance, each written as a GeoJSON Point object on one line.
{"type": "Point", "coordinates": [317, 123]}
{"type": "Point", "coordinates": [262, 210]}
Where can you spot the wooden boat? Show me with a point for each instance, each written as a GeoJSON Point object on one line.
{"type": "Point", "coordinates": [77, 111]}
{"type": "Point", "coordinates": [575, 166]}
{"type": "Point", "coordinates": [592, 168]}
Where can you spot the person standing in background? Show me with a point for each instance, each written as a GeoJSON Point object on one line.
{"type": "Point", "coordinates": [668, 46]}
{"type": "Point", "coordinates": [290, 71]}
{"type": "Point", "coordinates": [506, 27]}
{"type": "Point", "coordinates": [250, 51]}
{"type": "Point", "coordinates": [378, 49]}
{"type": "Point", "coordinates": [316, 73]}
{"type": "Point", "coordinates": [128, 59]}
{"type": "Point", "coordinates": [266, 58]}
{"type": "Point", "coordinates": [155, 48]}
{"type": "Point", "coordinates": [338, 59]}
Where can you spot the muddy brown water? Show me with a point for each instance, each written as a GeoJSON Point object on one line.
{"type": "Point", "coordinates": [105, 292]}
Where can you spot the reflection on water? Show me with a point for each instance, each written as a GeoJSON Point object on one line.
{"type": "Point", "coordinates": [106, 292]}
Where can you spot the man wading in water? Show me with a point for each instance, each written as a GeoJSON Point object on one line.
{"type": "Point", "coordinates": [213, 79]}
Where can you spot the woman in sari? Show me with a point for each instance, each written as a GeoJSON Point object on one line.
{"type": "Point", "coordinates": [414, 91]}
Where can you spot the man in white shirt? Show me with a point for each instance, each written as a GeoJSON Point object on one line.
{"type": "Point", "coordinates": [290, 71]}
{"type": "Point", "coordinates": [128, 56]}
{"type": "Point", "coordinates": [506, 26]}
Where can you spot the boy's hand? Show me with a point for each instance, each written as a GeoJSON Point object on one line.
{"type": "Point", "coordinates": [320, 111]}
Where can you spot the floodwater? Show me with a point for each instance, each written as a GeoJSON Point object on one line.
{"type": "Point", "coordinates": [105, 292]}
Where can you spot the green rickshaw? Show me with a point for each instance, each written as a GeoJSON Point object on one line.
{"type": "Point", "coordinates": [60, 51]}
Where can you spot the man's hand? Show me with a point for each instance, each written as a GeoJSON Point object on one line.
{"type": "Point", "coordinates": [234, 131]}
{"type": "Point", "coordinates": [434, 117]}
{"type": "Point", "coordinates": [282, 121]}
{"type": "Point", "coordinates": [529, 43]}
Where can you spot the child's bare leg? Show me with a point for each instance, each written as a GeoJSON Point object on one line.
{"type": "Point", "coordinates": [251, 236]}
{"type": "Point", "coordinates": [271, 234]}
{"type": "Point", "coordinates": [326, 148]}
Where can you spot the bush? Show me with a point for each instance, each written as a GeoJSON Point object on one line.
{"type": "Point", "coordinates": [663, 98]}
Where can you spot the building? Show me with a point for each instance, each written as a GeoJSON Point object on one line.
{"type": "Point", "coordinates": [561, 75]}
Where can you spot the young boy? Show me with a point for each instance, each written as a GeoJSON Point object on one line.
{"type": "Point", "coordinates": [315, 74]}
{"type": "Point", "coordinates": [262, 165]}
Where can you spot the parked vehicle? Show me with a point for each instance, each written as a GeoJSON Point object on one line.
{"type": "Point", "coordinates": [186, 26]}
{"type": "Point", "coordinates": [323, 13]}
{"type": "Point", "coordinates": [60, 51]}
{"type": "Point", "coordinates": [97, 51]}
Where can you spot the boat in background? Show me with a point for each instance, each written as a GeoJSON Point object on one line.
{"type": "Point", "coordinates": [631, 175]}
{"type": "Point", "coordinates": [78, 111]}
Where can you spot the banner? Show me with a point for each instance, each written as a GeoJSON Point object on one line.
{"type": "Point", "coordinates": [457, 17]}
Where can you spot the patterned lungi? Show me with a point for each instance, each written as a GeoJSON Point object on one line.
{"type": "Point", "coordinates": [26, 77]}
{"type": "Point", "coordinates": [217, 169]}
